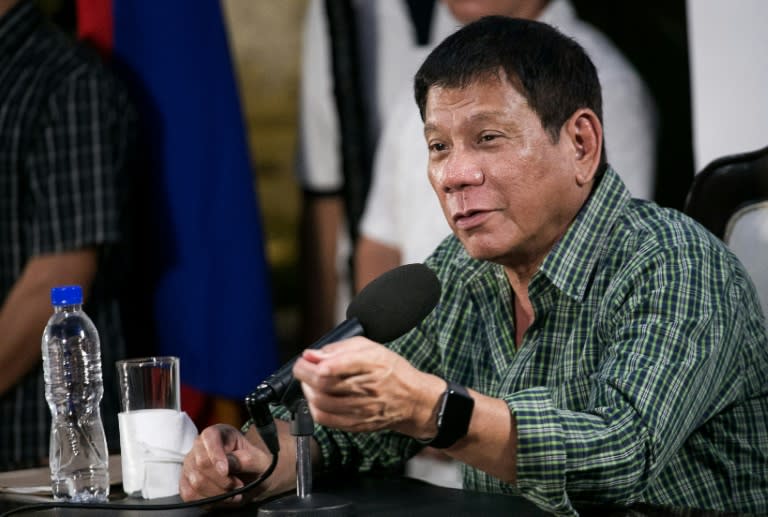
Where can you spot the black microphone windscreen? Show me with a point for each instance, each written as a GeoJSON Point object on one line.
{"type": "Point", "coordinates": [395, 302]}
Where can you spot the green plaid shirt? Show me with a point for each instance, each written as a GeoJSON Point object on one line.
{"type": "Point", "coordinates": [643, 378]}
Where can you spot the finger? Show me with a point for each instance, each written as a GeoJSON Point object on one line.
{"type": "Point", "coordinates": [320, 382]}
{"type": "Point", "coordinates": [332, 370]}
{"type": "Point", "coordinates": [213, 440]}
{"type": "Point", "coordinates": [350, 405]}
{"type": "Point", "coordinates": [235, 499]}
{"type": "Point", "coordinates": [197, 484]}
{"type": "Point", "coordinates": [233, 464]}
{"type": "Point", "coordinates": [339, 348]}
{"type": "Point", "coordinates": [357, 419]}
{"type": "Point", "coordinates": [362, 383]}
{"type": "Point", "coordinates": [198, 458]}
{"type": "Point", "coordinates": [340, 412]}
{"type": "Point", "coordinates": [200, 469]}
{"type": "Point", "coordinates": [194, 487]}
{"type": "Point", "coordinates": [250, 461]}
{"type": "Point", "coordinates": [356, 359]}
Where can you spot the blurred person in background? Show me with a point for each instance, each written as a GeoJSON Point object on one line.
{"type": "Point", "coordinates": [67, 127]}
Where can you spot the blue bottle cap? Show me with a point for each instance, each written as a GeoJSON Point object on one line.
{"type": "Point", "coordinates": [67, 295]}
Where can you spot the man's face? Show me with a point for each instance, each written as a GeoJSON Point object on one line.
{"type": "Point", "coordinates": [506, 190]}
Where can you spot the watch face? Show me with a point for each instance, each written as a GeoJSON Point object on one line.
{"type": "Point", "coordinates": [453, 417]}
{"type": "Point", "coordinates": [457, 410]}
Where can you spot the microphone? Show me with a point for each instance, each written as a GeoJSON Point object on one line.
{"type": "Point", "coordinates": [385, 309]}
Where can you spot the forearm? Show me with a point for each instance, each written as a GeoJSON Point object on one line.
{"type": "Point", "coordinates": [491, 441]}
{"type": "Point", "coordinates": [27, 308]}
{"type": "Point", "coordinates": [387, 393]}
{"type": "Point", "coordinates": [22, 318]}
{"type": "Point", "coordinates": [490, 444]}
{"type": "Point", "coordinates": [372, 259]}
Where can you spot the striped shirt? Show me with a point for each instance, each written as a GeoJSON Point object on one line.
{"type": "Point", "coordinates": [643, 377]}
{"type": "Point", "coordinates": [64, 127]}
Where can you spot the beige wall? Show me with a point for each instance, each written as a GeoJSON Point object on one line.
{"type": "Point", "coordinates": [265, 36]}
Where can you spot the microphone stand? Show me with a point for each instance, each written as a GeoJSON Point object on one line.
{"type": "Point", "coordinates": [304, 502]}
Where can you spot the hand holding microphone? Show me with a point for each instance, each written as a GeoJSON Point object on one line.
{"type": "Point", "coordinates": [385, 309]}
{"type": "Point", "coordinates": [358, 385]}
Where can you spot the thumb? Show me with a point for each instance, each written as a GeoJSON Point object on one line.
{"type": "Point", "coordinates": [233, 464]}
{"type": "Point", "coordinates": [247, 460]}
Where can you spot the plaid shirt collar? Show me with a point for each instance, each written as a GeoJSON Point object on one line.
{"type": "Point", "coordinates": [571, 263]}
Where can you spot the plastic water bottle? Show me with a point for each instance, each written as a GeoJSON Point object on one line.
{"type": "Point", "coordinates": [73, 389]}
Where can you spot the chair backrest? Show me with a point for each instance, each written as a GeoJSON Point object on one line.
{"type": "Point", "coordinates": [726, 185]}
{"type": "Point", "coordinates": [730, 198]}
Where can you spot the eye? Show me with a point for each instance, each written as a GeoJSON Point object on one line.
{"type": "Point", "coordinates": [488, 137]}
{"type": "Point", "coordinates": [437, 147]}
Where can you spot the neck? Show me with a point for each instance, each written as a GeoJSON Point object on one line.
{"type": "Point", "coordinates": [520, 276]}
{"type": "Point", "coordinates": [7, 5]}
{"type": "Point", "coordinates": [523, 309]}
{"type": "Point", "coordinates": [521, 268]}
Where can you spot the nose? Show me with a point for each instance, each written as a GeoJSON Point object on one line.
{"type": "Point", "coordinates": [461, 169]}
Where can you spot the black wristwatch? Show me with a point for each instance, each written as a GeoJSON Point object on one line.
{"type": "Point", "coordinates": [453, 416]}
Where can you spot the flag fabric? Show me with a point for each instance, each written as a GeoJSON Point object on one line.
{"type": "Point", "coordinates": [210, 286]}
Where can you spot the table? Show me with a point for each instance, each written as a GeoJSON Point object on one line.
{"type": "Point", "coordinates": [371, 495]}
{"type": "Point", "coordinates": [376, 496]}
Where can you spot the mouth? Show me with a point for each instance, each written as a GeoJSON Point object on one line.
{"type": "Point", "coordinates": [470, 219]}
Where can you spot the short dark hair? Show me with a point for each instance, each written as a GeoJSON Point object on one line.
{"type": "Point", "coordinates": [549, 69]}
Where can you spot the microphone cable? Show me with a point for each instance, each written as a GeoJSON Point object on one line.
{"type": "Point", "coordinates": [143, 507]}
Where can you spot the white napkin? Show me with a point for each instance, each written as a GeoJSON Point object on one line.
{"type": "Point", "coordinates": [153, 443]}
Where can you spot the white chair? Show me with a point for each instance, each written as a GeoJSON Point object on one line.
{"type": "Point", "coordinates": [747, 235]}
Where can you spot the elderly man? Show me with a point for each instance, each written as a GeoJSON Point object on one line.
{"type": "Point", "coordinates": [594, 347]}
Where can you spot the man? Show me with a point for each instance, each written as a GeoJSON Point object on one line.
{"type": "Point", "coordinates": [614, 351]}
{"type": "Point", "coordinates": [66, 127]}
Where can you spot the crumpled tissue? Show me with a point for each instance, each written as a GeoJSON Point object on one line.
{"type": "Point", "coordinates": [153, 443]}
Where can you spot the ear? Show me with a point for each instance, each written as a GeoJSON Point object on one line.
{"type": "Point", "coordinates": [585, 138]}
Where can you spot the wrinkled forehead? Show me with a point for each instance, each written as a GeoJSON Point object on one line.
{"type": "Point", "coordinates": [492, 78]}
{"type": "Point", "coordinates": [492, 85]}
